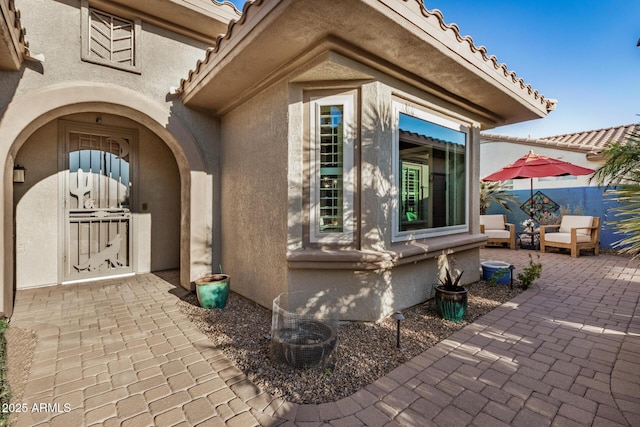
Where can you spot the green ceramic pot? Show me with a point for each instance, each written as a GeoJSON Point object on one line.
{"type": "Point", "coordinates": [213, 290]}
{"type": "Point", "coordinates": [451, 305]}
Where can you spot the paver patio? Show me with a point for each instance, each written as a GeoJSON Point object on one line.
{"type": "Point", "coordinates": [566, 352]}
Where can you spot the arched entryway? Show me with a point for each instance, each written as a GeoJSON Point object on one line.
{"type": "Point", "coordinates": [103, 193]}
{"type": "Point", "coordinates": [33, 130]}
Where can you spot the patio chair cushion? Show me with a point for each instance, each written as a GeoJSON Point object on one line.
{"type": "Point", "coordinates": [574, 221]}
{"type": "Point", "coordinates": [566, 237]}
{"type": "Point", "coordinates": [497, 234]}
{"type": "Point", "coordinates": [492, 222]}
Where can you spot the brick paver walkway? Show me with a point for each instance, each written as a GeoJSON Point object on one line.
{"type": "Point", "coordinates": [566, 352]}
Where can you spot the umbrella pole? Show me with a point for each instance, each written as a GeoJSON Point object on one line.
{"type": "Point", "coordinates": [531, 211]}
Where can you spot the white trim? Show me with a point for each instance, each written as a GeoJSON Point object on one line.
{"type": "Point", "coordinates": [348, 171]}
{"type": "Point", "coordinates": [414, 110]}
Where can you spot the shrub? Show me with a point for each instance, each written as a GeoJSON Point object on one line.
{"type": "Point", "coordinates": [530, 273]}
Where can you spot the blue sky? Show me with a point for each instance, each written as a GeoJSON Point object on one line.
{"type": "Point", "coordinates": [581, 52]}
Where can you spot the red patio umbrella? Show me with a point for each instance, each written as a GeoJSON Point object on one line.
{"type": "Point", "coordinates": [534, 165]}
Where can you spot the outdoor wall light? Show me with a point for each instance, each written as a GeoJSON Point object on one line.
{"type": "Point", "coordinates": [399, 317]}
{"type": "Point", "coordinates": [18, 173]}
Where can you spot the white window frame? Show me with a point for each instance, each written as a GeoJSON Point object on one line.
{"type": "Point", "coordinates": [449, 122]}
{"type": "Point", "coordinates": [348, 172]}
{"type": "Point", "coordinates": [88, 56]}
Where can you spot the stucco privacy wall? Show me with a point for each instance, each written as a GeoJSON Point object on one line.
{"type": "Point", "coordinates": [40, 93]}
{"type": "Point", "coordinates": [575, 194]}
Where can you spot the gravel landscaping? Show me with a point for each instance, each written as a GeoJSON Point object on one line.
{"type": "Point", "coordinates": [365, 352]}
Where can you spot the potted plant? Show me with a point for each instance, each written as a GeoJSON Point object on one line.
{"type": "Point", "coordinates": [496, 272]}
{"type": "Point", "coordinates": [213, 290]}
{"type": "Point", "coordinates": [451, 298]}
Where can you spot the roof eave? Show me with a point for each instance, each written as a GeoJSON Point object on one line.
{"type": "Point", "coordinates": [534, 142]}
{"type": "Point", "coordinates": [13, 47]}
{"type": "Point", "coordinates": [201, 20]}
{"type": "Point", "coordinates": [463, 70]}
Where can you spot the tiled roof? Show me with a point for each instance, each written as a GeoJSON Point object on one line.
{"type": "Point", "coordinates": [592, 141]}
{"type": "Point", "coordinates": [222, 38]}
{"type": "Point", "coordinates": [550, 104]}
{"type": "Point", "coordinates": [491, 60]}
{"type": "Point", "coordinates": [596, 139]}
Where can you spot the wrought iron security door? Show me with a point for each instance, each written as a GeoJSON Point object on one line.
{"type": "Point", "coordinates": [97, 207]}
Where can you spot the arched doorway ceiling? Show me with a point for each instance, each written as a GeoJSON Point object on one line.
{"type": "Point", "coordinates": [32, 110]}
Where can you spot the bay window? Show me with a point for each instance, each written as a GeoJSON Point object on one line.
{"type": "Point", "coordinates": [431, 175]}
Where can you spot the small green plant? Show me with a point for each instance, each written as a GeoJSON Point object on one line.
{"type": "Point", "coordinates": [450, 284]}
{"type": "Point", "coordinates": [530, 273]}
{"type": "Point", "coordinates": [497, 276]}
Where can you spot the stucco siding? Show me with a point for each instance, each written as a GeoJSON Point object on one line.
{"type": "Point", "coordinates": [40, 93]}
{"type": "Point", "coordinates": [363, 291]}
{"type": "Point", "coordinates": [376, 168]}
{"type": "Point", "coordinates": [55, 31]}
{"type": "Point", "coordinates": [254, 195]}
{"type": "Point", "coordinates": [37, 209]}
{"type": "Point", "coordinates": [159, 197]}
{"type": "Point", "coordinates": [374, 295]}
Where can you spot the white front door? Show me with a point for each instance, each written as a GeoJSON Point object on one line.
{"type": "Point", "coordinates": [97, 205]}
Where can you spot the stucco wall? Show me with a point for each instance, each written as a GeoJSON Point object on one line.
{"type": "Point", "coordinates": [367, 293]}
{"type": "Point", "coordinates": [54, 30]}
{"type": "Point", "coordinates": [37, 209]}
{"type": "Point", "coordinates": [159, 192]}
{"type": "Point", "coordinates": [374, 295]}
{"type": "Point", "coordinates": [42, 92]}
{"type": "Point", "coordinates": [254, 195]}
{"type": "Point", "coordinates": [376, 146]}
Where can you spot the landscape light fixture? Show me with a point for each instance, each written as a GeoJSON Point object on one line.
{"type": "Point", "coordinates": [399, 317]}
{"type": "Point", "coordinates": [511, 268]}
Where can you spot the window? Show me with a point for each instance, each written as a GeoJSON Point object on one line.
{"type": "Point", "coordinates": [332, 176]}
{"type": "Point", "coordinates": [109, 40]}
{"type": "Point", "coordinates": [430, 171]}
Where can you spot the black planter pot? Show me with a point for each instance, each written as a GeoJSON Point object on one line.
{"type": "Point", "coordinates": [451, 305]}
{"type": "Point", "coordinates": [306, 344]}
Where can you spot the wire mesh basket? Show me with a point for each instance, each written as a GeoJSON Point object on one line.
{"type": "Point", "coordinates": [304, 331]}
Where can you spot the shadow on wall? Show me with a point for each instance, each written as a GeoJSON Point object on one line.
{"type": "Point", "coordinates": [9, 81]}
{"type": "Point", "coordinates": [371, 293]}
{"type": "Point", "coordinates": [208, 162]}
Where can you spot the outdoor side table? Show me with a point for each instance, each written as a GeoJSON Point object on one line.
{"type": "Point", "coordinates": [526, 239]}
